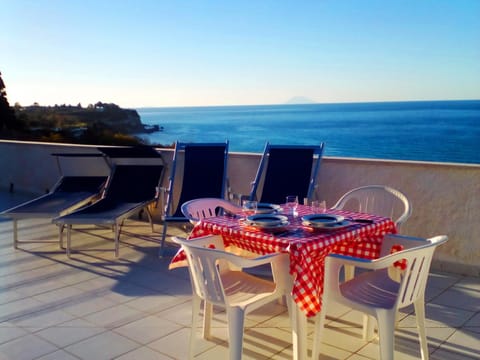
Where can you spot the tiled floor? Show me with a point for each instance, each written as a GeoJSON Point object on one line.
{"type": "Point", "coordinates": [94, 306]}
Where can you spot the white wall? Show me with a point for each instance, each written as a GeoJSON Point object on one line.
{"type": "Point", "coordinates": [445, 197]}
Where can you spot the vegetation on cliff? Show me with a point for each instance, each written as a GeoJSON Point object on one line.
{"type": "Point", "coordinates": [98, 124]}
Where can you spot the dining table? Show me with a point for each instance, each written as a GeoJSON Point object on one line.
{"type": "Point", "coordinates": [357, 234]}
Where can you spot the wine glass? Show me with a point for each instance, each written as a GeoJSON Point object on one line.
{"type": "Point", "coordinates": [249, 207]}
{"type": "Point", "coordinates": [318, 207]}
{"type": "Point", "coordinates": [291, 204]}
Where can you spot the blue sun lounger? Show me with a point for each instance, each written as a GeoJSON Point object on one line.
{"type": "Point", "coordinates": [199, 170]}
{"type": "Point", "coordinates": [69, 193]}
{"type": "Point", "coordinates": [133, 186]}
{"type": "Point", "coordinates": [287, 170]}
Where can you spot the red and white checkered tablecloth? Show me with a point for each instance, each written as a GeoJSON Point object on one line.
{"type": "Point", "coordinates": [307, 247]}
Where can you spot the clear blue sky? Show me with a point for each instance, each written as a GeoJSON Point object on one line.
{"type": "Point", "coordinates": [199, 53]}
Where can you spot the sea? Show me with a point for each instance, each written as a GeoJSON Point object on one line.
{"type": "Point", "coordinates": [438, 131]}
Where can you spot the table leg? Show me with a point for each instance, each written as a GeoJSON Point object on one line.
{"type": "Point", "coordinates": [299, 330]}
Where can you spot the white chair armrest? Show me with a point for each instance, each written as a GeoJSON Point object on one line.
{"type": "Point", "coordinates": [204, 241]}
{"type": "Point", "coordinates": [406, 242]}
{"type": "Point", "coordinates": [337, 261]}
{"type": "Point", "coordinates": [253, 262]}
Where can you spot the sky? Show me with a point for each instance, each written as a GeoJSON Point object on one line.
{"type": "Point", "coordinates": [141, 53]}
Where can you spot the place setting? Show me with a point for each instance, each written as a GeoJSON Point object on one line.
{"type": "Point", "coordinates": [320, 220]}
{"type": "Point", "coordinates": [325, 221]}
{"type": "Point", "coordinates": [263, 216]}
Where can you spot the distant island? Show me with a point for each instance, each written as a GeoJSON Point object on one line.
{"type": "Point", "coordinates": [297, 100]}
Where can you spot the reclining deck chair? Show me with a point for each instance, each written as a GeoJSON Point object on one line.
{"type": "Point", "coordinates": [202, 170]}
{"type": "Point", "coordinates": [71, 192]}
{"type": "Point", "coordinates": [286, 170]}
{"type": "Point", "coordinates": [132, 187]}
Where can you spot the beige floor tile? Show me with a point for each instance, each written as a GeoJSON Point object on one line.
{"type": "Point", "coordinates": [69, 332]}
{"type": "Point", "coordinates": [153, 302]}
{"type": "Point", "coordinates": [9, 332]}
{"type": "Point", "coordinates": [347, 338]}
{"type": "Point", "coordinates": [265, 342]}
{"type": "Point", "coordinates": [360, 357]}
{"type": "Point", "coordinates": [443, 354]}
{"type": "Point", "coordinates": [474, 321]}
{"type": "Point", "coordinates": [468, 282]}
{"type": "Point", "coordinates": [58, 355]}
{"type": "Point", "coordinates": [18, 308]}
{"type": "Point", "coordinates": [460, 297]}
{"type": "Point", "coordinates": [86, 303]}
{"type": "Point", "coordinates": [144, 353]}
{"type": "Point", "coordinates": [104, 346]}
{"type": "Point", "coordinates": [464, 342]}
{"type": "Point", "coordinates": [147, 329]}
{"type": "Point", "coordinates": [329, 352]}
{"type": "Point", "coordinates": [25, 348]}
{"type": "Point", "coordinates": [7, 296]}
{"type": "Point", "coordinates": [440, 316]}
{"type": "Point", "coordinates": [114, 316]}
{"type": "Point", "coordinates": [42, 319]}
{"type": "Point", "coordinates": [176, 346]}
{"type": "Point", "coordinates": [442, 280]}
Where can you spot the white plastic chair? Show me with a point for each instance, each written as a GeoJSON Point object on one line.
{"type": "Point", "coordinates": [236, 291]}
{"type": "Point", "coordinates": [198, 209]}
{"type": "Point", "coordinates": [379, 200]}
{"type": "Point", "coordinates": [375, 293]}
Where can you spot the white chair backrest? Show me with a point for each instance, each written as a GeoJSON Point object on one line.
{"type": "Point", "coordinates": [379, 200]}
{"type": "Point", "coordinates": [414, 277]}
{"type": "Point", "coordinates": [198, 209]}
{"type": "Point", "coordinates": [203, 263]}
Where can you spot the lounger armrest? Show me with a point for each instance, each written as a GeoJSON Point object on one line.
{"type": "Point", "coordinates": [163, 191]}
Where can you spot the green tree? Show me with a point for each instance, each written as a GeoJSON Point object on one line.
{"type": "Point", "coordinates": [7, 114]}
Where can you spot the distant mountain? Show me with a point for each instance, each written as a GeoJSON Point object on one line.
{"type": "Point", "coordinates": [300, 100]}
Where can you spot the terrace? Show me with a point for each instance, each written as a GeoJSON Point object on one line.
{"type": "Point", "coordinates": [94, 306]}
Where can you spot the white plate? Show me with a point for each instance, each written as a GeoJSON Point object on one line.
{"type": "Point", "coordinates": [266, 220]}
{"type": "Point", "coordinates": [271, 228]}
{"type": "Point", "coordinates": [266, 208]}
{"type": "Point", "coordinates": [322, 220]}
{"type": "Point", "coordinates": [333, 226]}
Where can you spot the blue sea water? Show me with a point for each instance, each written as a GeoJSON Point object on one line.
{"type": "Point", "coordinates": [440, 131]}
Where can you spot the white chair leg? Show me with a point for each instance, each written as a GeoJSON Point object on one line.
{"type": "Point", "coordinates": [207, 320]}
{"type": "Point", "coordinates": [318, 332]}
{"type": "Point", "coordinates": [196, 303]}
{"type": "Point", "coordinates": [69, 239]}
{"type": "Point", "coordinates": [149, 215]}
{"type": "Point", "coordinates": [386, 334]}
{"type": "Point", "coordinates": [15, 234]}
{"type": "Point", "coordinates": [60, 236]}
{"type": "Point", "coordinates": [349, 272]}
{"type": "Point", "coordinates": [368, 327]}
{"type": "Point", "coordinates": [116, 228]}
{"type": "Point", "coordinates": [235, 332]}
{"type": "Point", "coordinates": [420, 316]}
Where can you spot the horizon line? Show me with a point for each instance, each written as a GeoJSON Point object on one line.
{"type": "Point", "coordinates": [310, 103]}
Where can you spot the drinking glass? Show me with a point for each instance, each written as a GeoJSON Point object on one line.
{"type": "Point", "coordinates": [249, 207]}
{"type": "Point", "coordinates": [291, 204]}
{"type": "Point", "coordinates": [318, 207]}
